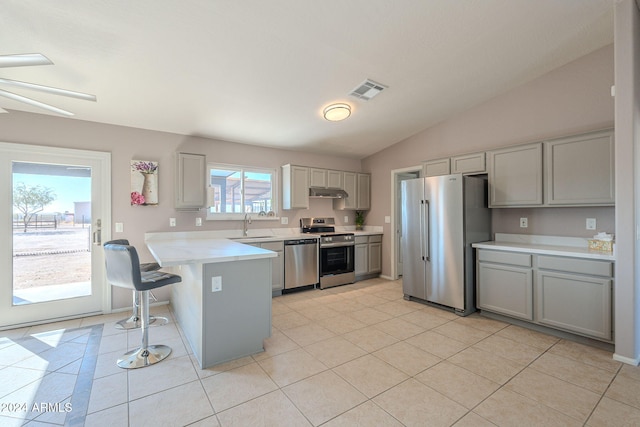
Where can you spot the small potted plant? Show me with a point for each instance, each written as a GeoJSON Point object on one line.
{"type": "Point", "coordinates": [359, 220]}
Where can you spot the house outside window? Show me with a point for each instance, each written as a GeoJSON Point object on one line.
{"type": "Point", "coordinates": [238, 190]}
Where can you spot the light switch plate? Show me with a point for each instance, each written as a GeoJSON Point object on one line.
{"type": "Point", "coordinates": [346, 219]}
{"type": "Point", "coordinates": [198, 222]}
{"type": "Point", "coordinates": [172, 222]}
{"type": "Point", "coordinates": [284, 220]}
{"type": "Point", "coordinates": [387, 219]}
{"type": "Point", "coordinates": [591, 223]}
{"type": "Point", "coordinates": [119, 227]}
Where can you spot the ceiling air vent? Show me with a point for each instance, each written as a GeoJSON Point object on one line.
{"type": "Point", "coordinates": [367, 90]}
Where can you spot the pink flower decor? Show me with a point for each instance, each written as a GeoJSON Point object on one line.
{"type": "Point", "coordinates": [137, 198]}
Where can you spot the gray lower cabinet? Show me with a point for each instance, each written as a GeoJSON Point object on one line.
{"type": "Point", "coordinates": [277, 265]}
{"type": "Point", "coordinates": [571, 294]}
{"type": "Point", "coordinates": [505, 283]}
{"type": "Point", "coordinates": [575, 295]}
{"type": "Point", "coordinates": [368, 256]}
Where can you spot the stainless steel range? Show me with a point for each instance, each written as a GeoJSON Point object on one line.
{"type": "Point", "coordinates": [337, 250]}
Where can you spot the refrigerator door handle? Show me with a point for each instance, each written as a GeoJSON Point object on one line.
{"type": "Point", "coordinates": [426, 231]}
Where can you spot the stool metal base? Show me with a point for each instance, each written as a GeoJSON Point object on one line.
{"type": "Point", "coordinates": [133, 322]}
{"type": "Point", "coordinates": [141, 357]}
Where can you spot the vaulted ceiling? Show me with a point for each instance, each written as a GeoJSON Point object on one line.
{"type": "Point", "coordinates": [260, 72]}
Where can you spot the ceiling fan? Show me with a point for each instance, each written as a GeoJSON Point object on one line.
{"type": "Point", "coordinates": [29, 59]}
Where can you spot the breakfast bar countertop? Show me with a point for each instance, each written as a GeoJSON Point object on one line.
{"type": "Point", "coordinates": [180, 251]}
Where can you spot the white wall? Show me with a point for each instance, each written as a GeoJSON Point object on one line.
{"type": "Point", "coordinates": [627, 64]}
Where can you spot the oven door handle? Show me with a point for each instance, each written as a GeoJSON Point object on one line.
{"type": "Point", "coordinates": [336, 245]}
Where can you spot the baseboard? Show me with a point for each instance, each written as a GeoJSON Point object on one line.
{"type": "Point", "coordinates": [627, 360]}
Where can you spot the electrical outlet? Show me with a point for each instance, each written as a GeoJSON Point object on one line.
{"type": "Point", "coordinates": [387, 219]}
{"type": "Point", "coordinates": [119, 227]}
{"type": "Point", "coordinates": [216, 284]}
{"type": "Point", "coordinates": [198, 222]}
{"type": "Point", "coordinates": [172, 222]}
{"type": "Point", "coordinates": [591, 223]}
{"type": "Point", "coordinates": [346, 219]}
{"type": "Point", "coordinates": [524, 222]}
{"type": "Point", "coordinates": [284, 220]}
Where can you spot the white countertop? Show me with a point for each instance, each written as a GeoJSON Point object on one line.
{"type": "Point", "coordinates": [180, 251]}
{"type": "Point", "coordinates": [545, 245]}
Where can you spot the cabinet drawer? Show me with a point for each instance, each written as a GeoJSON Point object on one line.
{"type": "Point", "coordinates": [500, 257]}
{"type": "Point", "coordinates": [273, 246]}
{"type": "Point", "coordinates": [362, 239]}
{"type": "Point", "coordinates": [375, 239]}
{"type": "Point", "coordinates": [574, 265]}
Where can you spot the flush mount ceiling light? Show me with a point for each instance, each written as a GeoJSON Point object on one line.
{"type": "Point", "coordinates": [337, 112]}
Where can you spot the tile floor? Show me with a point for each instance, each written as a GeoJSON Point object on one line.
{"type": "Point", "coordinates": [356, 355]}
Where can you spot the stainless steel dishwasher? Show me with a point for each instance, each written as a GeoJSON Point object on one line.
{"type": "Point", "coordinates": [300, 263]}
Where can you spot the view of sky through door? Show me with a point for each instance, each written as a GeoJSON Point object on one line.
{"type": "Point", "coordinates": [51, 232]}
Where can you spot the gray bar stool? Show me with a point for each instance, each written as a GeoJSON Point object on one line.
{"type": "Point", "coordinates": [123, 269]}
{"type": "Point", "coordinates": [133, 321]}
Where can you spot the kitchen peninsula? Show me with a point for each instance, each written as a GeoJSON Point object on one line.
{"type": "Point", "coordinates": [223, 303]}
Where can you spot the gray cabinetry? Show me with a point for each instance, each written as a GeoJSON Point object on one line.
{"type": "Point", "coordinates": [469, 163]}
{"type": "Point", "coordinates": [358, 187]}
{"type": "Point", "coordinates": [515, 176]}
{"type": "Point", "coordinates": [368, 256]}
{"type": "Point", "coordinates": [191, 171]}
{"type": "Point", "coordinates": [318, 178]}
{"type": "Point", "coordinates": [505, 283]}
{"type": "Point", "coordinates": [364, 191]}
{"type": "Point", "coordinates": [574, 295]}
{"type": "Point", "coordinates": [361, 257]}
{"type": "Point", "coordinates": [571, 294]}
{"type": "Point", "coordinates": [437, 167]}
{"type": "Point", "coordinates": [334, 179]}
{"type": "Point", "coordinates": [375, 254]}
{"type": "Point", "coordinates": [277, 265]}
{"type": "Point", "coordinates": [579, 170]}
{"type": "Point", "coordinates": [295, 187]}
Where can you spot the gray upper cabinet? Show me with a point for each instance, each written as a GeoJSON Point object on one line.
{"type": "Point", "coordinates": [364, 191]}
{"type": "Point", "coordinates": [579, 170]}
{"type": "Point", "coordinates": [335, 179]}
{"type": "Point", "coordinates": [515, 176]}
{"type": "Point", "coordinates": [358, 187]}
{"type": "Point", "coordinates": [437, 167]}
{"type": "Point", "coordinates": [469, 163]}
{"type": "Point", "coordinates": [325, 178]}
{"type": "Point", "coordinates": [317, 178]}
{"type": "Point", "coordinates": [191, 171]}
{"type": "Point", "coordinates": [295, 187]}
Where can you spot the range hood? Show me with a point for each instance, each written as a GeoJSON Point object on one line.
{"type": "Point", "coordinates": [329, 193]}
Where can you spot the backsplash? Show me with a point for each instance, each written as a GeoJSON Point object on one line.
{"type": "Point", "coordinates": [554, 221]}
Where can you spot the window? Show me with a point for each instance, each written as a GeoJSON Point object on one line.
{"type": "Point", "coordinates": [238, 190]}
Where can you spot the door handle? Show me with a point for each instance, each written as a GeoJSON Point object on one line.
{"type": "Point", "coordinates": [97, 234]}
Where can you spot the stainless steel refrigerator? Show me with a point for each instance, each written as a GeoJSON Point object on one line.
{"type": "Point", "coordinates": [441, 217]}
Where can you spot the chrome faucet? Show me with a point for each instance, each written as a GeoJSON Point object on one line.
{"type": "Point", "coordinates": [247, 221]}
